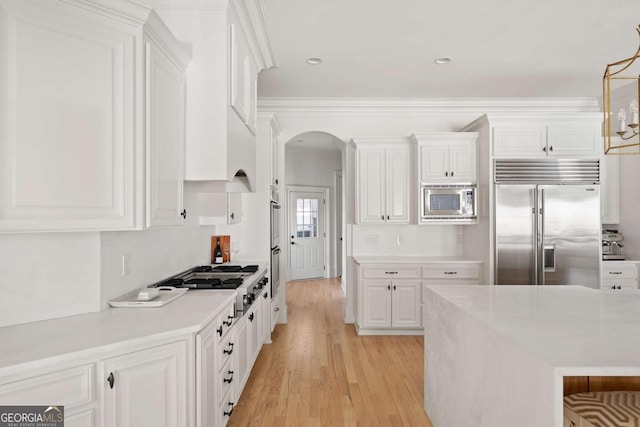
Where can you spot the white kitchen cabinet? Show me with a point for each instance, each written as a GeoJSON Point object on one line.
{"type": "Point", "coordinates": [610, 189]}
{"type": "Point", "coordinates": [215, 367]}
{"type": "Point", "coordinates": [74, 388]}
{"type": "Point", "coordinates": [165, 138]}
{"type": "Point", "coordinates": [383, 185]}
{"type": "Point", "coordinates": [617, 275]}
{"type": "Point", "coordinates": [446, 157]}
{"type": "Point", "coordinates": [552, 137]}
{"type": "Point", "coordinates": [242, 355]}
{"type": "Point", "coordinates": [390, 298]}
{"type": "Point", "coordinates": [275, 310]}
{"type": "Point", "coordinates": [77, 75]}
{"type": "Point", "coordinates": [230, 48]}
{"type": "Point", "coordinates": [234, 208]}
{"type": "Point", "coordinates": [265, 309]}
{"type": "Point", "coordinates": [274, 132]}
{"type": "Point", "coordinates": [147, 387]}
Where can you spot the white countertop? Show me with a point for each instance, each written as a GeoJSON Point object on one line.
{"type": "Point", "coordinates": [400, 259]}
{"type": "Point", "coordinates": [38, 341]}
{"type": "Point", "coordinates": [568, 326]}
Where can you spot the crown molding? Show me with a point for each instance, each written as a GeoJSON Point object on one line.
{"type": "Point", "coordinates": [255, 26]}
{"type": "Point", "coordinates": [434, 105]}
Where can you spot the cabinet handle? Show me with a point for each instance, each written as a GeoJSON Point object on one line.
{"type": "Point", "coordinates": [276, 181]}
{"type": "Point", "coordinates": [613, 287]}
{"type": "Point", "coordinates": [450, 272]}
{"type": "Point", "coordinates": [551, 148]}
{"type": "Point", "coordinates": [446, 174]}
{"type": "Point", "coordinates": [276, 309]}
{"type": "Point", "coordinates": [230, 349]}
{"type": "Point", "coordinates": [265, 295]}
{"type": "Point", "coordinates": [394, 287]}
{"type": "Point", "coordinates": [619, 286]}
{"type": "Point", "coordinates": [251, 317]}
{"type": "Point", "coordinates": [615, 272]}
{"type": "Point", "coordinates": [228, 380]}
{"type": "Point", "coordinates": [219, 331]}
{"type": "Point", "coordinates": [183, 214]}
{"type": "Point", "coordinates": [388, 287]}
{"type": "Point", "coordinates": [390, 272]}
{"type": "Point", "coordinates": [382, 217]}
{"type": "Point", "coordinates": [228, 414]}
{"type": "Point", "coordinates": [111, 380]}
{"type": "Point", "coordinates": [451, 173]}
{"type": "Point", "coordinates": [544, 149]}
{"type": "Point", "coordinates": [387, 217]}
{"type": "Point", "coordinates": [232, 216]}
{"type": "Point", "coordinates": [227, 322]}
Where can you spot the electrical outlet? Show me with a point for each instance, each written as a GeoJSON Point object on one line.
{"type": "Point", "coordinates": [126, 264]}
{"type": "Point", "coordinates": [398, 240]}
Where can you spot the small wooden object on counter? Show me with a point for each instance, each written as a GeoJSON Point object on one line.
{"type": "Point", "coordinates": [225, 244]}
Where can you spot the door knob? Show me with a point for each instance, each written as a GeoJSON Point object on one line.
{"type": "Point", "coordinates": [293, 243]}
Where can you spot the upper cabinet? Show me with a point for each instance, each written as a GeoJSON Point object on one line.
{"type": "Point", "coordinates": [383, 181]}
{"type": "Point", "coordinates": [446, 157]}
{"type": "Point", "coordinates": [551, 137]}
{"type": "Point", "coordinates": [230, 47]}
{"type": "Point", "coordinates": [92, 92]}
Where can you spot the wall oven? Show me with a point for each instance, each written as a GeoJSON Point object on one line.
{"type": "Point", "coordinates": [448, 202]}
{"type": "Point", "coordinates": [275, 241]}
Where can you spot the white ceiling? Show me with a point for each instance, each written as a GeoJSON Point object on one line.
{"type": "Point", "coordinates": [500, 48]}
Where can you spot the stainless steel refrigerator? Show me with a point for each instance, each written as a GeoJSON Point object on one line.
{"type": "Point", "coordinates": [547, 222]}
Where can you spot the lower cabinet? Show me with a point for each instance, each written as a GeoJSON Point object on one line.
{"type": "Point", "coordinates": [618, 275]}
{"type": "Point", "coordinates": [147, 388]}
{"type": "Point", "coordinates": [389, 296]}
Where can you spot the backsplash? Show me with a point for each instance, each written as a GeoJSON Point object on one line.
{"type": "Point", "coordinates": [422, 240]}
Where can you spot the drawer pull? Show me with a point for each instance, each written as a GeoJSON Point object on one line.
{"type": "Point", "coordinates": [219, 331]}
{"type": "Point", "coordinates": [230, 349]}
{"type": "Point", "coordinates": [390, 272]}
{"type": "Point", "coordinates": [615, 272]}
{"type": "Point", "coordinates": [111, 380]}
{"type": "Point", "coordinates": [228, 414]}
{"type": "Point", "coordinates": [450, 272]}
{"type": "Point", "coordinates": [251, 317]}
{"type": "Point", "coordinates": [228, 380]}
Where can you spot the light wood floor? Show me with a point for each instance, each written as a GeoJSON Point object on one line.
{"type": "Point", "coordinates": [318, 372]}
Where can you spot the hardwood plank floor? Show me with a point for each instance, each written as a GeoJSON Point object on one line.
{"type": "Point", "coordinates": [319, 372]}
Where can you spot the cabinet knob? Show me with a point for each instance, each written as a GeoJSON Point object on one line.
{"type": "Point", "coordinates": [251, 317]}
{"type": "Point", "coordinates": [394, 287]}
{"type": "Point", "coordinates": [452, 173]}
{"type": "Point", "coordinates": [265, 295]}
{"type": "Point", "coordinates": [387, 217]}
{"type": "Point", "coordinates": [382, 217]}
{"type": "Point", "coordinates": [551, 148]}
{"type": "Point", "coordinates": [544, 149]}
{"type": "Point", "coordinates": [388, 287]}
{"type": "Point", "coordinates": [232, 216]}
{"type": "Point", "coordinates": [183, 214]}
{"type": "Point", "coordinates": [111, 380]}
{"type": "Point", "coordinates": [446, 174]}
{"type": "Point", "coordinates": [276, 181]}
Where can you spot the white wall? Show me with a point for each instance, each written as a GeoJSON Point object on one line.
{"type": "Point", "coordinates": [155, 254]}
{"type": "Point", "coordinates": [47, 275]}
{"type": "Point", "coordinates": [315, 168]}
{"type": "Point", "coordinates": [422, 240]}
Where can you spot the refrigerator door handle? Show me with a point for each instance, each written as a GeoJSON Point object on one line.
{"type": "Point", "coordinates": [535, 235]}
{"type": "Point", "coordinates": [540, 243]}
{"type": "Point", "coordinates": [549, 258]}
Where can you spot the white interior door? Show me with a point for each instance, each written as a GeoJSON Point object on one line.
{"type": "Point", "coordinates": [339, 224]}
{"type": "Point", "coordinates": [306, 235]}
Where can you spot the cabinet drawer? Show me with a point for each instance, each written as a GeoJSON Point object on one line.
{"type": "Point", "coordinates": [225, 321]}
{"type": "Point", "coordinates": [391, 272]}
{"type": "Point", "coordinates": [227, 347]}
{"type": "Point", "coordinates": [619, 284]}
{"type": "Point", "coordinates": [226, 408]}
{"type": "Point", "coordinates": [70, 387]}
{"type": "Point", "coordinates": [619, 271]}
{"type": "Point", "coordinates": [451, 271]}
{"type": "Point", "coordinates": [226, 378]}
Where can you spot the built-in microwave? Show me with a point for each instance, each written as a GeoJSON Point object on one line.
{"type": "Point", "coordinates": [448, 202]}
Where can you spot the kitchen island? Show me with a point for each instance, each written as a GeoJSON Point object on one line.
{"type": "Point", "coordinates": [496, 355]}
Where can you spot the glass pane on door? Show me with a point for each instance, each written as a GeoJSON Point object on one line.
{"type": "Point", "coordinates": [306, 217]}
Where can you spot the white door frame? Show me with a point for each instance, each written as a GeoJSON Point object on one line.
{"type": "Point", "coordinates": [337, 244]}
{"type": "Point", "coordinates": [327, 222]}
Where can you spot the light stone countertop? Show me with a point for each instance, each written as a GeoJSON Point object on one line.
{"type": "Point", "coordinates": [404, 259]}
{"type": "Point", "coordinates": [76, 336]}
{"type": "Point", "coordinates": [492, 351]}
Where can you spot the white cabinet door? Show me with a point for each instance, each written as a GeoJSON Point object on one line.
{"type": "Point", "coordinates": [274, 157]}
{"type": "Point", "coordinates": [252, 95]}
{"type": "Point", "coordinates": [574, 140]}
{"type": "Point", "coordinates": [520, 141]}
{"type": "Point", "coordinates": [610, 189]}
{"type": "Point", "coordinates": [206, 376]}
{"type": "Point", "coordinates": [377, 304]}
{"type": "Point", "coordinates": [165, 127]}
{"type": "Point", "coordinates": [265, 309]}
{"type": "Point", "coordinates": [254, 343]}
{"type": "Point", "coordinates": [434, 163]}
{"type": "Point", "coordinates": [67, 133]}
{"type": "Point", "coordinates": [149, 387]}
{"type": "Point", "coordinates": [405, 309]}
{"type": "Point", "coordinates": [397, 185]}
{"type": "Point", "coordinates": [371, 185]}
{"type": "Point", "coordinates": [234, 208]}
{"type": "Point", "coordinates": [462, 161]}
{"type": "Point", "coordinates": [239, 63]}
{"type": "Point", "coordinates": [242, 355]}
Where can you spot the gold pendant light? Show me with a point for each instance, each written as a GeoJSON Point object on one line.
{"type": "Point", "coordinates": [626, 92]}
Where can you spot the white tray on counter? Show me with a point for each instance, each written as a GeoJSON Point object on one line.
{"type": "Point", "coordinates": [130, 300]}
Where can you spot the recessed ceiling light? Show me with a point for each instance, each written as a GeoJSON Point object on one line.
{"type": "Point", "coordinates": [443, 60]}
{"type": "Point", "coordinates": [314, 61]}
